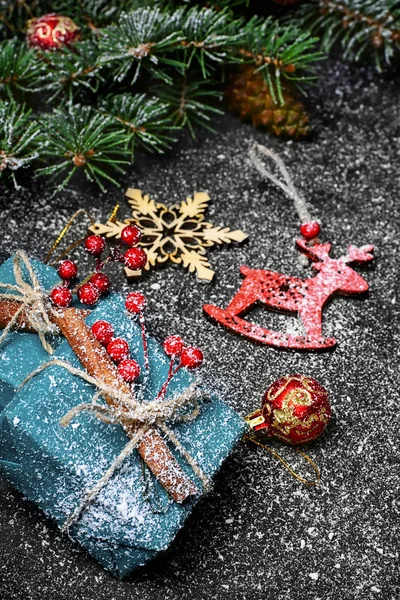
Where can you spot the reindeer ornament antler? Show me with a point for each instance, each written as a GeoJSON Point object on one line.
{"type": "Point", "coordinates": [278, 292]}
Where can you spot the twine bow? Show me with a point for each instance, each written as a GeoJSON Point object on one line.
{"type": "Point", "coordinates": [129, 413]}
{"type": "Point", "coordinates": [34, 302]}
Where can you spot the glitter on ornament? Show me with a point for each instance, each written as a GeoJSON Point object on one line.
{"type": "Point", "coordinates": [306, 297]}
{"type": "Point", "coordinates": [295, 409]}
{"type": "Point", "coordinates": [51, 32]}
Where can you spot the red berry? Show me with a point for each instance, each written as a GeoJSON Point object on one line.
{"type": "Point", "coordinates": [135, 258]}
{"type": "Point", "coordinates": [103, 331]}
{"type": "Point", "coordinates": [310, 230]}
{"type": "Point", "coordinates": [67, 269]}
{"type": "Point", "coordinates": [95, 245]}
{"type": "Point", "coordinates": [129, 369]}
{"type": "Point", "coordinates": [173, 345]}
{"type": "Point", "coordinates": [88, 294]}
{"type": "Point", "coordinates": [101, 281]}
{"type": "Point", "coordinates": [191, 358]}
{"type": "Point", "coordinates": [61, 296]}
{"type": "Point", "coordinates": [131, 235]}
{"type": "Point", "coordinates": [135, 302]}
{"type": "Point", "coordinates": [118, 349]}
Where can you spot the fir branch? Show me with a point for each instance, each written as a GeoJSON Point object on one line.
{"type": "Point", "coordinates": [144, 37]}
{"type": "Point", "coordinates": [191, 103]}
{"type": "Point", "coordinates": [71, 69]}
{"type": "Point", "coordinates": [210, 35]}
{"type": "Point", "coordinates": [18, 138]}
{"type": "Point", "coordinates": [144, 118]}
{"type": "Point", "coordinates": [280, 52]}
{"type": "Point", "coordinates": [96, 14]}
{"type": "Point", "coordinates": [360, 26]}
{"type": "Point", "coordinates": [14, 15]}
{"type": "Point", "coordinates": [82, 139]}
{"type": "Point", "coordinates": [20, 69]}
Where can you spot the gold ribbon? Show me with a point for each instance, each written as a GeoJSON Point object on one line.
{"type": "Point", "coordinates": [79, 212]}
{"type": "Point", "coordinates": [127, 412]}
{"type": "Point", "coordinates": [34, 302]}
{"type": "Point", "coordinates": [250, 438]}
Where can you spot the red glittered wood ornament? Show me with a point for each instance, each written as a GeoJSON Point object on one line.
{"type": "Point", "coordinates": [295, 409]}
{"type": "Point", "coordinates": [51, 32]}
{"type": "Point", "coordinates": [279, 292]}
{"type": "Point", "coordinates": [306, 297]}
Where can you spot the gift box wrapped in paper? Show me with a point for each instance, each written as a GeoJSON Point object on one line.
{"type": "Point", "coordinates": [131, 518]}
{"type": "Point", "coordinates": [22, 352]}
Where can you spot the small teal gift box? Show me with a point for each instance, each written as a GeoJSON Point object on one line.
{"type": "Point", "coordinates": [131, 518]}
{"type": "Point", "coordinates": [21, 353]}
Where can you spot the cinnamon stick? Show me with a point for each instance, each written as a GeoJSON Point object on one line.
{"type": "Point", "coordinates": [97, 363]}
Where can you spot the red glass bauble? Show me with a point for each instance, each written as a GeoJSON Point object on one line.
{"type": "Point", "coordinates": [50, 32]}
{"type": "Point", "coordinates": [295, 409]}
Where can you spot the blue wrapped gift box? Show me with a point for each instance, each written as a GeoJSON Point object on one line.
{"type": "Point", "coordinates": [54, 466]}
{"type": "Point", "coordinates": [21, 353]}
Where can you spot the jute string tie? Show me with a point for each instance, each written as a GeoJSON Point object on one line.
{"type": "Point", "coordinates": [129, 413]}
{"type": "Point", "coordinates": [34, 301]}
{"type": "Point", "coordinates": [283, 181]}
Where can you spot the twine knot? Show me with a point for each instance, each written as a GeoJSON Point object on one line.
{"type": "Point", "coordinates": [132, 415]}
{"type": "Point", "coordinates": [34, 302]}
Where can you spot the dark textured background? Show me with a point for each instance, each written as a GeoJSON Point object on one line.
{"type": "Point", "coordinates": [259, 534]}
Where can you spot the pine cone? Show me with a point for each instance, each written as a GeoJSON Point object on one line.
{"type": "Point", "coordinates": [249, 94]}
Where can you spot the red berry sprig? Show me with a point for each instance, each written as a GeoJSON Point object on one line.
{"type": "Point", "coordinates": [191, 358]}
{"type": "Point", "coordinates": [95, 245]}
{"type": "Point", "coordinates": [129, 369]}
{"type": "Point", "coordinates": [188, 357]}
{"type": "Point", "coordinates": [61, 296]}
{"type": "Point", "coordinates": [101, 282]}
{"type": "Point", "coordinates": [135, 304]}
{"type": "Point", "coordinates": [131, 235]}
{"type": "Point", "coordinates": [98, 283]}
{"type": "Point", "coordinates": [103, 332]}
{"type": "Point", "coordinates": [135, 259]}
{"type": "Point", "coordinates": [173, 346]}
{"type": "Point", "coordinates": [67, 270]}
{"type": "Point", "coordinates": [118, 349]}
{"type": "Point", "coordinates": [88, 294]}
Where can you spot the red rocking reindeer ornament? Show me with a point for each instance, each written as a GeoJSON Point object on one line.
{"type": "Point", "coordinates": [278, 292]}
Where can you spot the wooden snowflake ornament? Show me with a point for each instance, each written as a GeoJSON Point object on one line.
{"type": "Point", "coordinates": [177, 233]}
